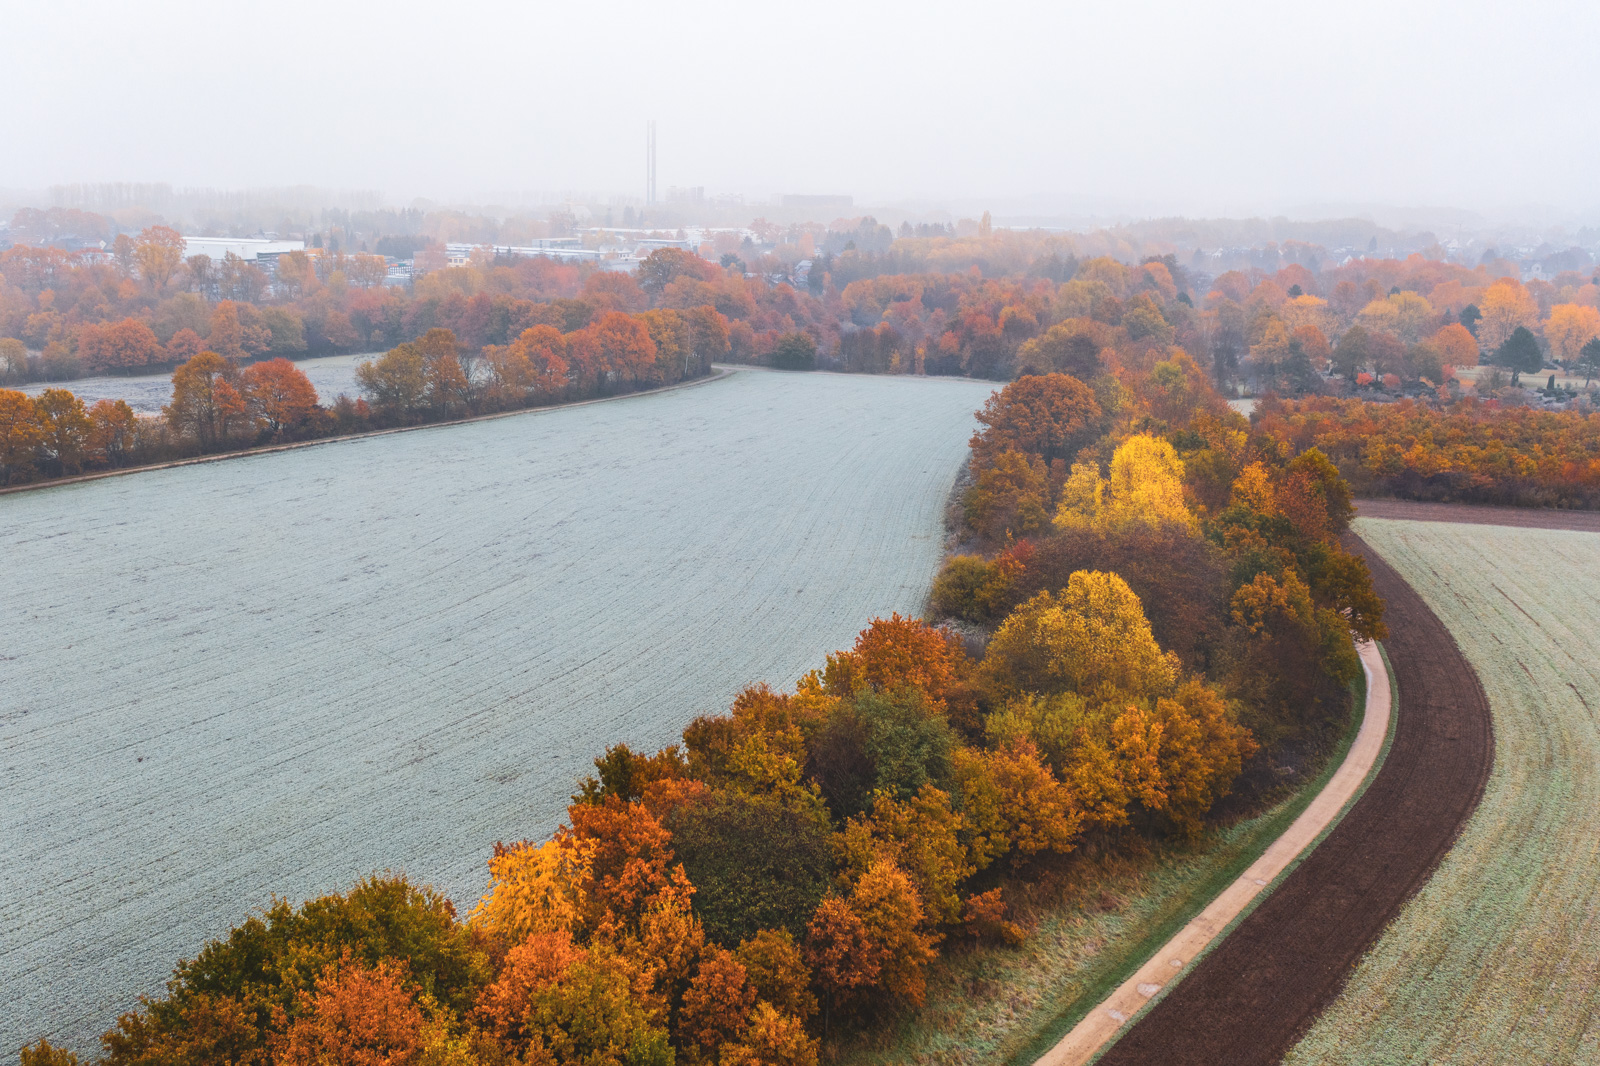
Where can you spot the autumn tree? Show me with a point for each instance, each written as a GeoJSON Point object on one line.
{"type": "Point", "coordinates": [626, 351]}
{"type": "Point", "coordinates": [1406, 315]}
{"type": "Point", "coordinates": [772, 1038]}
{"type": "Point", "coordinates": [534, 891]}
{"type": "Point", "coordinates": [628, 863]}
{"type": "Point", "coordinates": [1049, 416]}
{"type": "Point", "coordinates": [1457, 347]}
{"type": "Point", "coordinates": [20, 435]}
{"type": "Point", "coordinates": [894, 652]}
{"type": "Point", "coordinates": [922, 834]}
{"type": "Point", "coordinates": [206, 401]}
{"type": "Point", "coordinates": [42, 1053]}
{"type": "Point", "coordinates": [113, 431]}
{"type": "Point", "coordinates": [281, 392]}
{"type": "Point", "coordinates": [357, 1014]}
{"type": "Point", "coordinates": [1145, 488]}
{"type": "Point", "coordinates": [716, 1006]}
{"type": "Point", "coordinates": [892, 916]}
{"type": "Point", "coordinates": [397, 381]}
{"type": "Point", "coordinates": [590, 1016]}
{"type": "Point", "coordinates": [1011, 494]}
{"type": "Point", "coordinates": [159, 254]}
{"type": "Point", "coordinates": [1569, 328]}
{"type": "Point", "coordinates": [537, 961]}
{"type": "Point", "coordinates": [663, 266]}
{"type": "Point", "coordinates": [532, 367]}
{"type": "Point", "coordinates": [64, 429]}
{"type": "Point", "coordinates": [1013, 805]}
{"type": "Point", "coordinates": [774, 964]}
{"type": "Point", "coordinates": [1072, 347]}
{"type": "Point", "coordinates": [121, 345]}
{"type": "Point", "coordinates": [843, 959]}
{"type": "Point", "coordinates": [1506, 307]}
{"type": "Point", "coordinates": [184, 345]}
{"type": "Point", "coordinates": [1090, 637]}
{"type": "Point", "coordinates": [226, 337]}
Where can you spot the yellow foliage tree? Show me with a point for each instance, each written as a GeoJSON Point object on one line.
{"type": "Point", "coordinates": [1569, 328]}
{"type": "Point", "coordinates": [533, 888]}
{"type": "Point", "coordinates": [1145, 488]}
{"type": "Point", "coordinates": [1090, 637]}
{"type": "Point", "coordinates": [1406, 315]}
{"type": "Point", "coordinates": [772, 1038]}
{"type": "Point", "coordinates": [1505, 305]}
{"type": "Point", "coordinates": [1146, 485]}
{"type": "Point", "coordinates": [1081, 498]}
{"type": "Point", "coordinates": [1014, 805]}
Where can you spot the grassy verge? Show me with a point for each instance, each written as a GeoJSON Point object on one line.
{"type": "Point", "coordinates": [1091, 926]}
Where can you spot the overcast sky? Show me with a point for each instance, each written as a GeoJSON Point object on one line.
{"type": "Point", "coordinates": [1199, 108]}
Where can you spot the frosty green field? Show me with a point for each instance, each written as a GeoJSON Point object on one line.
{"type": "Point", "coordinates": [1495, 959]}
{"type": "Point", "coordinates": [279, 673]}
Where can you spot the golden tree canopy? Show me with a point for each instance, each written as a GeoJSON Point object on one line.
{"type": "Point", "coordinates": [1092, 637]}
{"type": "Point", "coordinates": [1145, 488]}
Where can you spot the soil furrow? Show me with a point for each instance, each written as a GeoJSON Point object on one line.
{"type": "Point", "coordinates": [1262, 986]}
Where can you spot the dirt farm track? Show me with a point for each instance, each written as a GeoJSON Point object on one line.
{"type": "Point", "coordinates": [1250, 999]}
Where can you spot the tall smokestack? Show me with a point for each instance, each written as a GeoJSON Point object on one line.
{"type": "Point", "coordinates": [650, 163]}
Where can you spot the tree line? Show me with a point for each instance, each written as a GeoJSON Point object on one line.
{"type": "Point", "coordinates": [1158, 619]}
{"type": "Point", "coordinates": [1469, 451]}
{"type": "Point", "coordinates": [220, 405]}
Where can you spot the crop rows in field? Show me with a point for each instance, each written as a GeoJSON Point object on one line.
{"type": "Point", "coordinates": [279, 673]}
{"type": "Point", "coordinates": [1496, 959]}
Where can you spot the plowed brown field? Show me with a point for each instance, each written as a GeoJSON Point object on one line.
{"type": "Point", "coordinates": [1258, 990]}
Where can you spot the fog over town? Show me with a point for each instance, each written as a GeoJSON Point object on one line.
{"type": "Point", "coordinates": [1411, 111]}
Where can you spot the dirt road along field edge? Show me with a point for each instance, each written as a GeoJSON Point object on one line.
{"type": "Point", "coordinates": [100, 475]}
{"type": "Point", "coordinates": [1260, 988]}
{"type": "Point", "coordinates": [1167, 964]}
{"type": "Point", "coordinates": [1480, 514]}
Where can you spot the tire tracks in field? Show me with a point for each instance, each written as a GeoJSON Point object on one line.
{"type": "Point", "coordinates": [1250, 999]}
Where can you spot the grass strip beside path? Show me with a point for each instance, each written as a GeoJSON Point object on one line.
{"type": "Point", "coordinates": [993, 1004]}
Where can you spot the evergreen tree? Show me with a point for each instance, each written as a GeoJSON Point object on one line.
{"type": "Point", "coordinates": [1519, 354]}
{"type": "Point", "coordinates": [1589, 360]}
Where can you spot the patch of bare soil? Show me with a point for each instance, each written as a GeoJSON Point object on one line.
{"type": "Point", "coordinates": [1251, 998]}
{"type": "Point", "coordinates": [1481, 514]}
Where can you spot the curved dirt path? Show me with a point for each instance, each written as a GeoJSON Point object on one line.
{"type": "Point", "coordinates": [1249, 999]}
{"type": "Point", "coordinates": [1102, 1024]}
{"type": "Point", "coordinates": [1481, 514]}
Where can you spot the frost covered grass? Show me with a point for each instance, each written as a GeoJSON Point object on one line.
{"type": "Point", "coordinates": [1495, 959]}
{"type": "Point", "coordinates": [280, 673]}
{"type": "Point", "coordinates": [148, 393]}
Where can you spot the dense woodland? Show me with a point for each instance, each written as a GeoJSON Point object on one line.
{"type": "Point", "coordinates": [1471, 451]}
{"type": "Point", "coordinates": [1159, 609]}
{"type": "Point", "coordinates": [989, 304]}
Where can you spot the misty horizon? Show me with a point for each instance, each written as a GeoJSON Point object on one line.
{"type": "Point", "coordinates": [1254, 111]}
